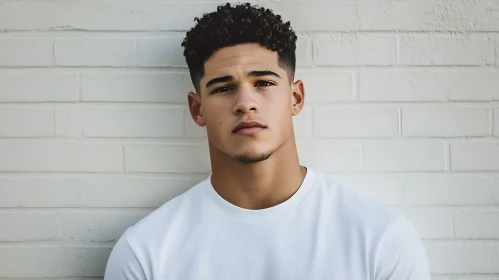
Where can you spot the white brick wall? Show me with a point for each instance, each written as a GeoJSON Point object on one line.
{"type": "Point", "coordinates": [355, 122]}
{"type": "Point", "coordinates": [43, 86]}
{"type": "Point", "coordinates": [87, 51]}
{"type": "Point", "coordinates": [402, 105]}
{"type": "Point", "coordinates": [30, 51]}
{"type": "Point", "coordinates": [160, 52]}
{"type": "Point", "coordinates": [119, 121]}
{"type": "Point", "coordinates": [403, 156]}
{"type": "Point", "coordinates": [135, 86]}
{"type": "Point", "coordinates": [440, 121]}
{"type": "Point", "coordinates": [460, 257]}
{"type": "Point", "coordinates": [347, 49]}
{"type": "Point", "coordinates": [446, 50]}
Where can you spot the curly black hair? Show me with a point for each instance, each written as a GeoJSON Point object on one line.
{"type": "Point", "coordinates": [234, 25]}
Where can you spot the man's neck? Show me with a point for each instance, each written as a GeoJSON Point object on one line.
{"type": "Point", "coordinates": [258, 185]}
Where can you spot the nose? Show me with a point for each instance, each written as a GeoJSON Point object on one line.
{"type": "Point", "coordinates": [245, 101]}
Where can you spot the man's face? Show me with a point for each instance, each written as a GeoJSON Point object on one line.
{"type": "Point", "coordinates": [244, 86]}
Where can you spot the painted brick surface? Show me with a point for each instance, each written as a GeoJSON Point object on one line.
{"type": "Point", "coordinates": [401, 105]}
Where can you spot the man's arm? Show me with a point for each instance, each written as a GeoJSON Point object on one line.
{"type": "Point", "coordinates": [123, 263]}
{"type": "Point", "coordinates": [401, 254]}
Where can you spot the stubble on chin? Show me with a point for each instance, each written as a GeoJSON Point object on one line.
{"type": "Point", "coordinates": [254, 159]}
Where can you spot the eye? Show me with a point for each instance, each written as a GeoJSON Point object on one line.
{"type": "Point", "coordinates": [263, 84]}
{"type": "Point", "coordinates": [221, 89]}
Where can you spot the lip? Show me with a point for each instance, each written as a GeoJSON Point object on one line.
{"type": "Point", "coordinates": [248, 127]}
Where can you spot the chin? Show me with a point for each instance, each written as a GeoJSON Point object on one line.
{"type": "Point", "coordinates": [253, 157]}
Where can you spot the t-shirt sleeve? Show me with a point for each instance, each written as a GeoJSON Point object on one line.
{"type": "Point", "coordinates": [123, 263]}
{"type": "Point", "coordinates": [401, 254]}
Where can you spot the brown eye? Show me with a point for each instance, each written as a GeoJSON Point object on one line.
{"type": "Point", "coordinates": [221, 89]}
{"type": "Point", "coordinates": [264, 84]}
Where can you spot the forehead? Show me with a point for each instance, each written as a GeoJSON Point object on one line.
{"type": "Point", "coordinates": [240, 60]}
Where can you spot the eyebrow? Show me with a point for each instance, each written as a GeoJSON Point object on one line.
{"type": "Point", "coordinates": [263, 73]}
{"type": "Point", "coordinates": [229, 78]}
{"type": "Point", "coordinates": [219, 80]}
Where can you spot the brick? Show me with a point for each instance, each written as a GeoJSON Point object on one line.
{"type": "Point", "coordinates": [427, 84]}
{"type": "Point", "coordinates": [423, 189]}
{"type": "Point", "coordinates": [42, 87]}
{"type": "Point", "coordinates": [355, 49]}
{"type": "Point", "coordinates": [79, 278]}
{"type": "Point", "coordinates": [403, 156]}
{"type": "Point", "coordinates": [69, 121]}
{"type": "Point", "coordinates": [495, 191]}
{"type": "Point", "coordinates": [336, 121]}
{"type": "Point", "coordinates": [318, 16]}
{"type": "Point", "coordinates": [429, 16]}
{"type": "Point", "coordinates": [465, 277]}
{"type": "Point", "coordinates": [115, 15]}
{"type": "Point", "coordinates": [429, 222]}
{"type": "Point", "coordinates": [442, 277]}
{"type": "Point", "coordinates": [445, 121]}
{"type": "Point", "coordinates": [35, 15]}
{"type": "Point", "coordinates": [330, 156]}
{"type": "Point", "coordinates": [469, 277]}
{"type": "Point", "coordinates": [17, 121]}
{"type": "Point", "coordinates": [26, 51]}
{"type": "Point", "coordinates": [52, 261]}
{"type": "Point", "coordinates": [459, 258]}
{"type": "Point", "coordinates": [303, 122]}
{"type": "Point", "coordinates": [303, 52]}
{"type": "Point", "coordinates": [326, 86]}
{"type": "Point", "coordinates": [136, 87]}
{"type": "Point", "coordinates": [423, 16]}
{"type": "Point", "coordinates": [447, 189]}
{"type": "Point", "coordinates": [120, 121]}
{"type": "Point", "coordinates": [475, 15]}
{"type": "Point", "coordinates": [21, 226]}
{"type": "Point", "coordinates": [384, 188]}
{"type": "Point", "coordinates": [188, 158]}
{"type": "Point", "coordinates": [95, 52]}
{"type": "Point", "coordinates": [474, 85]}
{"type": "Point", "coordinates": [135, 192]}
{"type": "Point", "coordinates": [496, 122]}
{"type": "Point", "coordinates": [60, 156]}
{"type": "Point", "coordinates": [476, 224]}
{"type": "Point", "coordinates": [403, 85]}
{"type": "Point", "coordinates": [496, 50]}
{"type": "Point", "coordinates": [96, 226]}
{"type": "Point", "coordinates": [474, 156]}
{"type": "Point", "coordinates": [159, 15]}
{"type": "Point", "coordinates": [161, 52]}
{"type": "Point", "coordinates": [446, 50]}
{"type": "Point", "coordinates": [43, 192]}
{"type": "Point", "coordinates": [337, 16]}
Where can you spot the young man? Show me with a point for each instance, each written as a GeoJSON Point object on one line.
{"type": "Point", "coordinates": [260, 214]}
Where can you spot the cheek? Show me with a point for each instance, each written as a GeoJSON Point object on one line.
{"type": "Point", "coordinates": [279, 107]}
{"type": "Point", "coordinates": [279, 117]}
{"type": "Point", "coordinates": [215, 117]}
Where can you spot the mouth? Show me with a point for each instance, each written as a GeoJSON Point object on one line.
{"type": "Point", "coordinates": [248, 128]}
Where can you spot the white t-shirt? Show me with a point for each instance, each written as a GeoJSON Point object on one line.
{"type": "Point", "coordinates": [324, 231]}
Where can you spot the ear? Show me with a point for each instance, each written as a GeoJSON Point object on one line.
{"type": "Point", "coordinates": [298, 97]}
{"type": "Point", "coordinates": [195, 108]}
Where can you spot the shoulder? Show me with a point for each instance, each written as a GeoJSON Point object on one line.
{"type": "Point", "coordinates": [395, 248]}
{"type": "Point", "coordinates": [353, 208]}
{"type": "Point", "coordinates": [401, 254]}
{"type": "Point", "coordinates": [131, 255]}
{"type": "Point", "coordinates": [152, 227]}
